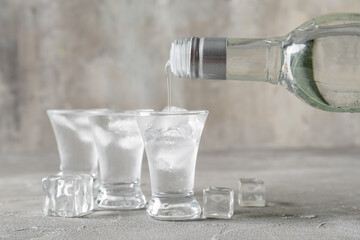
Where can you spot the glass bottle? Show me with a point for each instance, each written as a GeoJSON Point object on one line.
{"type": "Point", "coordinates": [319, 61]}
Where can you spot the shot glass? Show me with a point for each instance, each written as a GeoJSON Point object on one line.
{"type": "Point", "coordinates": [75, 141]}
{"type": "Point", "coordinates": [171, 141]}
{"type": "Point", "coordinates": [120, 147]}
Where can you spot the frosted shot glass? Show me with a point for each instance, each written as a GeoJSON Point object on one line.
{"type": "Point", "coordinates": [120, 147]}
{"type": "Point", "coordinates": [75, 141]}
{"type": "Point", "coordinates": [171, 141]}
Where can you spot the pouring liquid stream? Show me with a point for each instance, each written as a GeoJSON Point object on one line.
{"type": "Point", "coordinates": [169, 77]}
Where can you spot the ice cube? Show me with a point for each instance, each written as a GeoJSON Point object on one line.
{"type": "Point", "coordinates": [172, 124]}
{"type": "Point", "coordinates": [68, 195]}
{"type": "Point", "coordinates": [173, 109]}
{"type": "Point", "coordinates": [251, 192]}
{"type": "Point", "coordinates": [218, 202]}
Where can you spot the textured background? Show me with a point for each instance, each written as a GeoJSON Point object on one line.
{"type": "Point", "coordinates": [110, 53]}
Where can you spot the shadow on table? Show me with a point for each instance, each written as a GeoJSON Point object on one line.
{"type": "Point", "coordinates": [104, 214]}
{"type": "Point", "coordinates": [278, 209]}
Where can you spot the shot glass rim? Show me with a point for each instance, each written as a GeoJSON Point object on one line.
{"type": "Point", "coordinates": [172, 113]}
{"type": "Point", "coordinates": [120, 113]}
{"type": "Point", "coordinates": [77, 111]}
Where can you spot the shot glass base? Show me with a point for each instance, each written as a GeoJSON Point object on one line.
{"type": "Point", "coordinates": [121, 198]}
{"type": "Point", "coordinates": [174, 207]}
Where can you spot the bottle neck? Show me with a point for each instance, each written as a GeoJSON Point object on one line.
{"type": "Point", "coordinates": [253, 59]}
{"type": "Point", "coordinates": [232, 58]}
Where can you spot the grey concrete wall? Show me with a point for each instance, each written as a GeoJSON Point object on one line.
{"type": "Point", "coordinates": [111, 53]}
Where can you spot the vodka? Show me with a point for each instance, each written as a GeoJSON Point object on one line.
{"type": "Point", "coordinates": [171, 138]}
{"type": "Point", "coordinates": [319, 61]}
{"type": "Point", "coordinates": [168, 82]}
{"type": "Point", "coordinates": [120, 148]}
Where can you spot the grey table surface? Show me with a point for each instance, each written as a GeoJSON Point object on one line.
{"type": "Point", "coordinates": [311, 194]}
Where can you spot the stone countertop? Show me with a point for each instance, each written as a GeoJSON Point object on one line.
{"type": "Point", "coordinates": [311, 194]}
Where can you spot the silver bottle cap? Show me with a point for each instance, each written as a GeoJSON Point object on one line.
{"type": "Point", "coordinates": [199, 58]}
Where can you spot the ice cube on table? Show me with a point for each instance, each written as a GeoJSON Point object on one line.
{"type": "Point", "coordinates": [251, 192]}
{"type": "Point", "coordinates": [218, 202]}
{"type": "Point", "coordinates": [68, 195]}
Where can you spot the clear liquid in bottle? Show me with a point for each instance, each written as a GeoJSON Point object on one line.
{"type": "Point", "coordinates": [325, 70]}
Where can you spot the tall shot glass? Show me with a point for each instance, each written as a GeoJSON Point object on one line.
{"type": "Point", "coordinates": [75, 140]}
{"type": "Point", "coordinates": [171, 141]}
{"type": "Point", "coordinates": [120, 147]}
